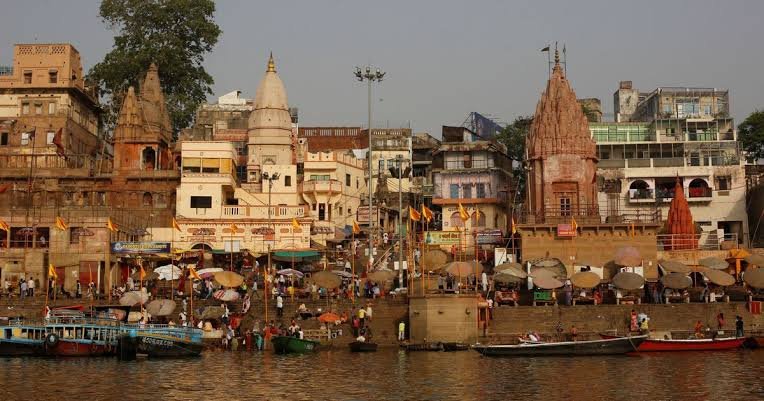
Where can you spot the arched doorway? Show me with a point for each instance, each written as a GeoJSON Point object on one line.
{"type": "Point", "coordinates": [456, 220]}
{"type": "Point", "coordinates": [699, 188]}
{"type": "Point", "coordinates": [640, 189]}
{"type": "Point", "coordinates": [148, 157]}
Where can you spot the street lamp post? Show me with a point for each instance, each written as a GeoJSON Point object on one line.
{"type": "Point", "coordinates": [270, 178]}
{"type": "Point", "coordinates": [370, 76]}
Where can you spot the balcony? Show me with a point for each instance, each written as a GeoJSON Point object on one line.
{"type": "Point", "coordinates": [52, 165]}
{"type": "Point", "coordinates": [641, 196]}
{"type": "Point", "coordinates": [322, 186]}
{"type": "Point", "coordinates": [699, 194]}
{"type": "Point", "coordinates": [703, 241]}
{"type": "Point", "coordinates": [261, 212]}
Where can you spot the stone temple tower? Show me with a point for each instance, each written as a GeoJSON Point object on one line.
{"type": "Point", "coordinates": [561, 153]}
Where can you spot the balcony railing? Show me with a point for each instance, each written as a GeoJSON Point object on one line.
{"type": "Point", "coordinates": [72, 164]}
{"type": "Point", "coordinates": [703, 241]}
{"type": "Point", "coordinates": [261, 212]}
{"type": "Point", "coordinates": [322, 186]}
{"type": "Point", "coordinates": [699, 192]}
{"type": "Point", "coordinates": [636, 195]}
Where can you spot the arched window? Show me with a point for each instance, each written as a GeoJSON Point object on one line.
{"type": "Point", "coordinates": [456, 220]}
{"type": "Point", "coordinates": [639, 189]}
{"type": "Point", "coordinates": [149, 158]}
{"type": "Point", "coordinates": [478, 219]}
{"type": "Point", "coordinates": [699, 189]}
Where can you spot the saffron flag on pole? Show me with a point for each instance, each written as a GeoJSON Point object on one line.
{"type": "Point", "coordinates": [356, 228]}
{"type": "Point", "coordinates": [61, 224]}
{"type": "Point", "coordinates": [111, 226]}
{"type": "Point", "coordinates": [426, 213]}
{"type": "Point", "coordinates": [175, 225]}
{"type": "Point", "coordinates": [463, 213]}
{"type": "Point", "coordinates": [52, 271]}
{"type": "Point", "coordinates": [58, 140]}
{"type": "Point", "coordinates": [143, 273]}
{"type": "Point", "coordinates": [193, 274]}
{"type": "Point", "coordinates": [573, 224]}
{"type": "Point", "coordinates": [234, 228]}
{"type": "Point", "coordinates": [414, 214]}
{"type": "Point", "coordinates": [4, 226]}
{"type": "Point", "coordinates": [295, 224]}
{"type": "Point", "coordinates": [514, 227]}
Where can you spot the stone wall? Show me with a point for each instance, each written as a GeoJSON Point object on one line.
{"type": "Point", "coordinates": [446, 318]}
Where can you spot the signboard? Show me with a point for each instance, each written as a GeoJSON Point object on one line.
{"type": "Point", "coordinates": [362, 216]}
{"type": "Point", "coordinates": [232, 246]}
{"type": "Point", "coordinates": [442, 237]}
{"type": "Point", "coordinates": [502, 255]}
{"type": "Point", "coordinates": [490, 237]}
{"type": "Point", "coordinates": [140, 247]}
{"type": "Point", "coordinates": [566, 231]}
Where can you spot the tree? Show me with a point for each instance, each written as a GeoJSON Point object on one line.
{"type": "Point", "coordinates": [751, 135]}
{"type": "Point", "coordinates": [513, 137]}
{"type": "Point", "coordinates": [174, 34]}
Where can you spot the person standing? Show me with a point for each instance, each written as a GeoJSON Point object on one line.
{"type": "Point", "coordinates": [279, 306]}
{"type": "Point", "coordinates": [633, 325]}
{"type": "Point", "coordinates": [30, 286]}
{"type": "Point", "coordinates": [362, 316]}
{"type": "Point", "coordinates": [484, 282]}
{"type": "Point", "coordinates": [739, 326]}
{"type": "Point", "coordinates": [401, 331]}
{"type": "Point", "coordinates": [78, 290]}
{"type": "Point", "coordinates": [720, 321]}
{"type": "Point", "coordinates": [369, 311]}
{"type": "Point", "coordinates": [23, 288]}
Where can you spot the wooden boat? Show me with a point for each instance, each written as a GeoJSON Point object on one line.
{"type": "Point", "coordinates": [613, 346]}
{"type": "Point", "coordinates": [19, 339]}
{"type": "Point", "coordinates": [363, 346]}
{"type": "Point", "coordinates": [293, 345]}
{"type": "Point", "coordinates": [69, 333]}
{"type": "Point", "coordinates": [450, 347]}
{"type": "Point", "coordinates": [755, 341]}
{"type": "Point", "coordinates": [693, 344]}
{"type": "Point", "coordinates": [165, 341]}
{"type": "Point", "coordinates": [423, 347]}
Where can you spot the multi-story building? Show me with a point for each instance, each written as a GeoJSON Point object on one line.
{"type": "Point", "coordinates": [672, 134]}
{"type": "Point", "coordinates": [475, 173]}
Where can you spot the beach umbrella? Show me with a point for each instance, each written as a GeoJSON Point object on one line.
{"type": "Point", "coordinates": [208, 272]}
{"type": "Point", "coordinates": [627, 256]}
{"type": "Point", "coordinates": [342, 273]}
{"type": "Point", "coordinates": [547, 283]}
{"type": "Point", "coordinates": [559, 271]}
{"type": "Point", "coordinates": [212, 312]}
{"type": "Point", "coordinates": [628, 281]}
{"type": "Point", "coordinates": [326, 279]}
{"type": "Point", "coordinates": [676, 281]}
{"type": "Point", "coordinates": [719, 277]}
{"type": "Point", "coordinates": [585, 279]}
{"type": "Point", "coordinates": [514, 269]}
{"type": "Point", "coordinates": [161, 307]}
{"type": "Point", "coordinates": [133, 298]}
{"type": "Point", "coordinates": [547, 262]}
{"type": "Point", "coordinates": [381, 275]}
{"type": "Point", "coordinates": [507, 278]}
{"type": "Point", "coordinates": [168, 272]}
{"type": "Point", "coordinates": [714, 263]}
{"type": "Point", "coordinates": [290, 273]}
{"type": "Point", "coordinates": [462, 268]}
{"type": "Point", "coordinates": [329, 317]}
{"type": "Point", "coordinates": [226, 295]}
{"type": "Point", "coordinates": [434, 258]}
{"type": "Point", "coordinates": [754, 277]}
{"type": "Point", "coordinates": [149, 276]}
{"type": "Point", "coordinates": [674, 266]}
{"type": "Point", "coordinates": [754, 259]}
{"type": "Point", "coordinates": [229, 279]}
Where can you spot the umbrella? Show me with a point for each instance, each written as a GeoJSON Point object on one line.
{"type": "Point", "coordinates": [628, 256]}
{"type": "Point", "coordinates": [161, 307]}
{"type": "Point", "coordinates": [462, 268]}
{"type": "Point", "coordinates": [628, 281]}
{"type": "Point", "coordinates": [757, 260]}
{"type": "Point", "coordinates": [585, 279]}
{"type": "Point", "coordinates": [229, 279]}
{"type": "Point", "coordinates": [676, 281]}
{"type": "Point", "coordinates": [208, 272]}
{"type": "Point", "coordinates": [329, 317]}
{"type": "Point", "coordinates": [434, 258]}
{"type": "Point", "coordinates": [381, 275]}
{"type": "Point", "coordinates": [547, 283]}
{"type": "Point", "coordinates": [558, 271]}
{"type": "Point", "coordinates": [507, 278]}
{"type": "Point", "coordinates": [212, 312]}
{"type": "Point", "coordinates": [226, 295]}
{"type": "Point", "coordinates": [133, 298]}
{"type": "Point", "coordinates": [148, 277]}
{"type": "Point", "coordinates": [326, 279]}
{"type": "Point", "coordinates": [674, 266]}
{"type": "Point", "coordinates": [290, 272]}
{"type": "Point", "coordinates": [547, 262]}
{"type": "Point", "coordinates": [714, 263]}
{"type": "Point", "coordinates": [754, 277]}
{"type": "Point", "coordinates": [514, 269]}
{"type": "Point", "coordinates": [719, 277]}
{"type": "Point", "coordinates": [342, 273]}
{"type": "Point", "coordinates": [168, 272]}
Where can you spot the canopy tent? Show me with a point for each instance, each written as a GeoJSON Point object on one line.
{"type": "Point", "coordinates": [305, 255]}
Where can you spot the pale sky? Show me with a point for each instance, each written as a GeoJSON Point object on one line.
{"type": "Point", "coordinates": [446, 58]}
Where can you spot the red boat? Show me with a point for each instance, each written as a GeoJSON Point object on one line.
{"type": "Point", "coordinates": [71, 333]}
{"type": "Point", "coordinates": [699, 344]}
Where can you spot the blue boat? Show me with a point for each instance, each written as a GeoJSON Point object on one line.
{"type": "Point", "coordinates": [19, 339]}
{"type": "Point", "coordinates": [159, 340]}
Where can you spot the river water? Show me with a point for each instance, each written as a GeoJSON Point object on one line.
{"type": "Point", "coordinates": [389, 375]}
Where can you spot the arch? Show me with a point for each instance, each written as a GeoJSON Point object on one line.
{"type": "Point", "coordinates": [698, 183]}
{"type": "Point", "coordinates": [148, 199]}
{"type": "Point", "coordinates": [456, 220]}
{"type": "Point", "coordinates": [148, 157]}
{"type": "Point", "coordinates": [698, 188]}
{"type": "Point", "coordinates": [477, 219]}
{"type": "Point", "coordinates": [639, 184]}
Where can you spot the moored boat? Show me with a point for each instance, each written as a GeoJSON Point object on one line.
{"type": "Point", "coordinates": [19, 339]}
{"type": "Point", "coordinates": [450, 347]}
{"type": "Point", "coordinates": [74, 334]}
{"type": "Point", "coordinates": [293, 345]}
{"type": "Point", "coordinates": [362, 346]}
{"type": "Point", "coordinates": [613, 346]}
{"type": "Point", "coordinates": [165, 341]}
{"type": "Point", "coordinates": [690, 344]}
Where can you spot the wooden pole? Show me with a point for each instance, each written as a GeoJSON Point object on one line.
{"type": "Point", "coordinates": [172, 266]}
{"type": "Point", "coordinates": [352, 267]}
{"type": "Point", "coordinates": [107, 263]}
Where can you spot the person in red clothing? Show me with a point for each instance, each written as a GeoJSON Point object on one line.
{"type": "Point", "coordinates": [720, 321]}
{"type": "Point", "coordinates": [699, 330]}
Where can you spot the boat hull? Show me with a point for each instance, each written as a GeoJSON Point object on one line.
{"type": "Point", "coordinates": [659, 345]}
{"type": "Point", "coordinates": [613, 346]}
{"type": "Point", "coordinates": [164, 346]}
{"type": "Point", "coordinates": [16, 348]}
{"type": "Point", "coordinates": [357, 346]}
{"type": "Point", "coordinates": [293, 345]}
{"type": "Point", "coordinates": [451, 347]}
{"type": "Point", "coordinates": [76, 348]}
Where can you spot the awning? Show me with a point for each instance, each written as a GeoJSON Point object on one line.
{"type": "Point", "coordinates": [296, 255]}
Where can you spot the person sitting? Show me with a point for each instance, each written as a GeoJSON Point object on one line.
{"type": "Point", "coordinates": [361, 338]}
{"type": "Point", "coordinates": [699, 330]}
{"type": "Point", "coordinates": [597, 297]}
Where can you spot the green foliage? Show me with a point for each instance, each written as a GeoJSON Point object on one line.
{"type": "Point", "coordinates": [513, 137]}
{"type": "Point", "coordinates": [174, 34]}
{"type": "Point", "coordinates": [751, 135]}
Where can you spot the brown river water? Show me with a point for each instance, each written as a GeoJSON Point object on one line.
{"type": "Point", "coordinates": [389, 375]}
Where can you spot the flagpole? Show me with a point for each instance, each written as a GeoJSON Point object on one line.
{"type": "Point", "coordinates": [172, 266]}
{"type": "Point", "coordinates": [352, 268]}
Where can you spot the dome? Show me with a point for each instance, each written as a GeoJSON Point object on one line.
{"type": "Point", "coordinates": [271, 106]}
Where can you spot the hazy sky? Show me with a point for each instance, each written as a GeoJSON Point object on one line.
{"type": "Point", "coordinates": [443, 58]}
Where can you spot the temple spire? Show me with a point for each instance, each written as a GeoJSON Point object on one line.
{"type": "Point", "coordinates": [556, 55]}
{"type": "Point", "coordinates": [271, 64]}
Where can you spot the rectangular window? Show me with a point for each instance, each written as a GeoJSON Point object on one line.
{"type": "Point", "coordinates": [454, 191]}
{"type": "Point", "coordinates": [52, 76]}
{"type": "Point", "coordinates": [201, 202]}
{"type": "Point", "coordinates": [467, 191]}
{"type": "Point", "coordinates": [52, 108]}
{"type": "Point", "coordinates": [467, 161]}
{"type": "Point", "coordinates": [38, 108]}
{"type": "Point", "coordinates": [480, 190]}
{"type": "Point", "coordinates": [723, 183]}
{"type": "Point", "coordinates": [51, 136]}
{"type": "Point", "coordinates": [192, 165]}
{"type": "Point", "coordinates": [25, 138]}
{"type": "Point", "coordinates": [25, 108]}
{"type": "Point", "coordinates": [3, 139]}
{"type": "Point", "coordinates": [211, 166]}
{"type": "Point", "coordinates": [27, 77]}
{"type": "Point", "coordinates": [347, 180]}
{"type": "Point", "coordinates": [74, 235]}
{"type": "Point", "coordinates": [564, 206]}
{"type": "Point", "coordinates": [287, 180]}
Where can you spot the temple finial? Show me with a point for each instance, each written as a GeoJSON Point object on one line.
{"type": "Point", "coordinates": [556, 54]}
{"type": "Point", "coordinates": [271, 64]}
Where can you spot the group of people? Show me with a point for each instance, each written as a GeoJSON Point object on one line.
{"type": "Point", "coordinates": [699, 331]}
